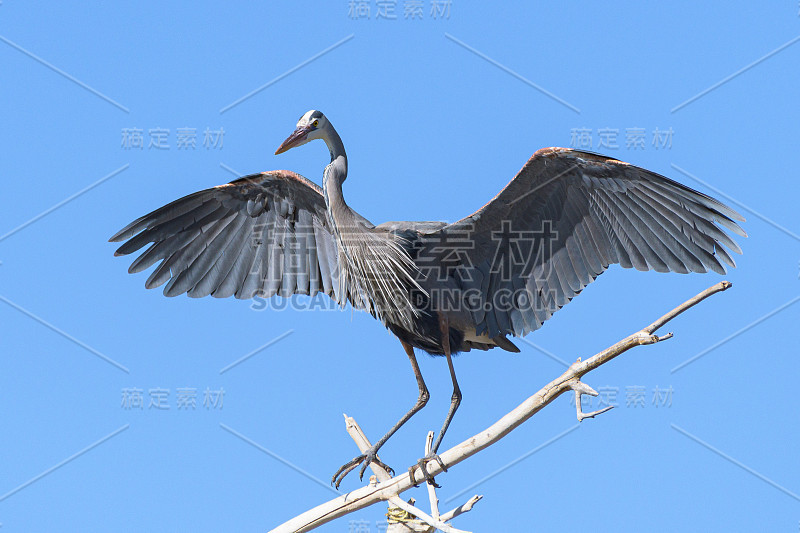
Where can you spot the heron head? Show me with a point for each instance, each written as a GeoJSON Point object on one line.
{"type": "Point", "coordinates": [309, 127]}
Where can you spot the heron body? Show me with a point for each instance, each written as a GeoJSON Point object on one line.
{"type": "Point", "coordinates": [442, 288]}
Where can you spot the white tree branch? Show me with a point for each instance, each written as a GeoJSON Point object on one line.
{"type": "Point", "coordinates": [580, 389]}
{"type": "Point", "coordinates": [384, 488]}
{"type": "Point", "coordinates": [433, 520]}
{"type": "Point", "coordinates": [432, 498]}
{"type": "Point", "coordinates": [449, 515]}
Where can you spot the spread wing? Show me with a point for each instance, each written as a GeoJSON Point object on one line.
{"type": "Point", "coordinates": [263, 234]}
{"type": "Point", "coordinates": [562, 221]}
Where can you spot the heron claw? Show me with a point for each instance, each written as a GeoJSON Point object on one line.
{"type": "Point", "coordinates": [425, 474]}
{"type": "Point", "coordinates": [370, 455]}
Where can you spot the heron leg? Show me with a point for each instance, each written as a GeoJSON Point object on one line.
{"type": "Point", "coordinates": [455, 401]}
{"type": "Point", "coordinates": [370, 454]}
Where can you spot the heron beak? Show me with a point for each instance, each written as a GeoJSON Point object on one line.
{"type": "Point", "coordinates": [297, 138]}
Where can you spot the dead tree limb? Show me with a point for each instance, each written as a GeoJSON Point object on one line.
{"type": "Point", "coordinates": [384, 488]}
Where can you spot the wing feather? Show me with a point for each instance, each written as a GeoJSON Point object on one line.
{"type": "Point", "coordinates": [262, 234]}
{"type": "Point", "coordinates": [223, 264]}
{"type": "Point", "coordinates": [601, 211]}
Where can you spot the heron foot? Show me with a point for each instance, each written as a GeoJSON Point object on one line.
{"type": "Point", "coordinates": [370, 455]}
{"type": "Point", "coordinates": [425, 474]}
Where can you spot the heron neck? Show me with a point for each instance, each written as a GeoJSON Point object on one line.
{"type": "Point", "coordinates": [335, 146]}
{"type": "Point", "coordinates": [335, 173]}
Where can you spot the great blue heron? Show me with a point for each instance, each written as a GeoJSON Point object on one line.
{"type": "Point", "coordinates": [443, 288]}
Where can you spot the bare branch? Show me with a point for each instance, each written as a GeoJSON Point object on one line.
{"type": "Point", "coordinates": [423, 516]}
{"type": "Point", "coordinates": [389, 489]}
{"type": "Point", "coordinates": [580, 389]}
{"type": "Point", "coordinates": [719, 287]}
{"type": "Point", "coordinates": [363, 443]}
{"type": "Point", "coordinates": [449, 515]}
{"type": "Point", "coordinates": [361, 440]}
{"type": "Point", "coordinates": [431, 487]}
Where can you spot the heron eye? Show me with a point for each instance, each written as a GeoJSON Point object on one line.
{"type": "Point", "coordinates": [315, 123]}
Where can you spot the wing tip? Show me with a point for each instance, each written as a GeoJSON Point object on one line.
{"type": "Point", "coordinates": [550, 151]}
{"type": "Point", "coordinates": [118, 236]}
{"type": "Point", "coordinates": [501, 341]}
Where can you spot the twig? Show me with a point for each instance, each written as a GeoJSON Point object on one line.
{"type": "Point", "coordinates": [431, 487]}
{"type": "Point", "coordinates": [580, 389]}
{"type": "Point", "coordinates": [449, 515]}
{"type": "Point", "coordinates": [569, 381]}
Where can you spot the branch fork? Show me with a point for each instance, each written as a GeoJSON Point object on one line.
{"type": "Point", "coordinates": [411, 518]}
{"type": "Point", "coordinates": [580, 389]}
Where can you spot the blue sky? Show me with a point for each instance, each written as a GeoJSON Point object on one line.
{"type": "Point", "coordinates": [437, 114]}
